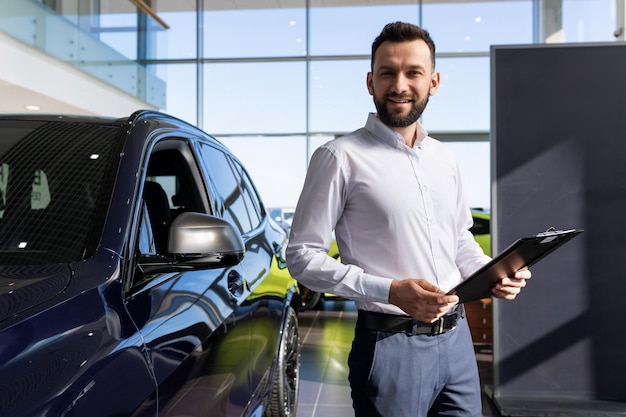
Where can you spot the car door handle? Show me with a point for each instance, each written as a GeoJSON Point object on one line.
{"type": "Point", "coordinates": [236, 283]}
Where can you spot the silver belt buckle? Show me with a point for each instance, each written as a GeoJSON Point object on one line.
{"type": "Point", "coordinates": [438, 326]}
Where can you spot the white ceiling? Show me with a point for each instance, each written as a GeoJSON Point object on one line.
{"type": "Point", "coordinates": [15, 99]}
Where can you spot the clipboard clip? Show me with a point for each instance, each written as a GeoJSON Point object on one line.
{"type": "Point", "coordinates": [553, 233]}
{"type": "Point", "coordinates": [550, 231]}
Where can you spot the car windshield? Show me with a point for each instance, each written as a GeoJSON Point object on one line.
{"type": "Point", "coordinates": [54, 180]}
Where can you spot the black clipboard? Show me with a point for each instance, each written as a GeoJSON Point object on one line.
{"type": "Point", "coordinates": [524, 252]}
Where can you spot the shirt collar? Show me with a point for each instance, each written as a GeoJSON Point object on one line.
{"type": "Point", "coordinates": [390, 136]}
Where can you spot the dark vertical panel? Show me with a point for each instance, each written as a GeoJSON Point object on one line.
{"type": "Point", "coordinates": [559, 149]}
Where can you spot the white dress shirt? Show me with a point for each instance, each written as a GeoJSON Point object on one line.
{"type": "Point", "coordinates": [396, 212]}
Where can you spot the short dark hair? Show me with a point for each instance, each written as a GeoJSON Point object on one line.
{"type": "Point", "coordinates": [403, 32]}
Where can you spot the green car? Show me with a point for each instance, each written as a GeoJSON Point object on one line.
{"type": "Point", "coordinates": [481, 229]}
{"type": "Point", "coordinates": [310, 299]}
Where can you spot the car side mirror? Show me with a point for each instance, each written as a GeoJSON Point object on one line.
{"type": "Point", "coordinates": [199, 241]}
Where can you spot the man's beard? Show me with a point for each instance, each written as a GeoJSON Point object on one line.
{"type": "Point", "coordinates": [397, 120]}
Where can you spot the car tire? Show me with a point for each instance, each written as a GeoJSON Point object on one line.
{"type": "Point", "coordinates": [284, 397]}
{"type": "Point", "coordinates": [309, 299]}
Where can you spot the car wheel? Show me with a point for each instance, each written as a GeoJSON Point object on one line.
{"type": "Point", "coordinates": [309, 299]}
{"type": "Point", "coordinates": [284, 397]}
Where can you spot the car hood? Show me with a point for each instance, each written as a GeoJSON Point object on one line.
{"type": "Point", "coordinates": [26, 286]}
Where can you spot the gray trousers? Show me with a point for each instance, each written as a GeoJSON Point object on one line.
{"type": "Point", "coordinates": [397, 375]}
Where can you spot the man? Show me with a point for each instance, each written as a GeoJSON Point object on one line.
{"type": "Point", "coordinates": [393, 196]}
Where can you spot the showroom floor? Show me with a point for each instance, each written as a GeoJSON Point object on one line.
{"type": "Point", "coordinates": [326, 335]}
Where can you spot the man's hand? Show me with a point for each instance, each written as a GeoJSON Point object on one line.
{"type": "Point", "coordinates": [420, 299]}
{"type": "Point", "coordinates": [508, 288]}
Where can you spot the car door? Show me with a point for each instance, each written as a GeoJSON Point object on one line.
{"type": "Point", "coordinates": [183, 316]}
{"type": "Point", "coordinates": [259, 316]}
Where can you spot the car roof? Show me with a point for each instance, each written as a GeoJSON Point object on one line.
{"type": "Point", "coordinates": [101, 120]}
{"type": "Point", "coordinates": [163, 118]}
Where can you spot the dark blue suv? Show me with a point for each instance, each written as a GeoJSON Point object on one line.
{"type": "Point", "coordinates": [140, 274]}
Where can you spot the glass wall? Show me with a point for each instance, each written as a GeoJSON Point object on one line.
{"type": "Point", "coordinates": [273, 164]}
{"type": "Point", "coordinates": [182, 89]}
{"type": "Point", "coordinates": [473, 26]}
{"type": "Point", "coordinates": [350, 29]}
{"type": "Point", "coordinates": [300, 72]}
{"type": "Point", "coordinates": [99, 38]}
{"type": "Point", "coordinates": [589, 20]}
{"type": "Point", "coordinates": [255, 97]}
{"type": "Point", "coordinates": [258, 32]}
{"type": "Point", "coordinates": [254, 83]}
{"type": "Point", "coordinates": [275, 82]}
{"type": "Point", "coordinates": [338, 98]}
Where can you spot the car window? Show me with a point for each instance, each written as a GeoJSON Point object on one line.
{"type": "Point", "coordinates": [146, 241]}
{"type": "Point", "coordinates": [250, 195]}
{"type": "Point", "coordinates": [52, 177]}
{"type": "Point", "coordinates": [172, 186]}
{"type": "Point", "coordinates": [229, 185]}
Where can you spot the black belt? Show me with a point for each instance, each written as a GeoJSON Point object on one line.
{"type": "Point", "coordinates": [402, 324]}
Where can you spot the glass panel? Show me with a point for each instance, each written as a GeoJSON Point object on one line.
{"type": "Point", "coordinates": [157, 199]}
{"type": "Point", "coordinates": [226, 182]}
{"type": "Point", "coordinates": [118, 30]}
{"type": "Point", "coordinates": [474, 26]}
{"type": "Point", "coordinates": [340, 101]}
{"type": "Point", "coordinates": [259, 32]}
{"type": "Point", "coordinates": [351, 30]}
{"type": "Point", "coordinates": [277, 166]}
{"type": "Point", "coordinates": [93, 47]}
{"type": "Point", "coordinates": [19, 19]}
{"type": "Point", "coordinates": [145, 242]}
{"type": "Point", "coordinates": [256, 97]}
{"type": "Point", "coordinates": [55, 185]}
{"type": "Point", "coordinates": [249, 195]}
{"type": "Point", "coordinates": [475, 164]}
{"type": "Point", "coordinates": [182, 90]}
{"type": "Point", "coordinates": [463, 99]}
{"type": "Point", "coordinates": [179, 40]}
{"type": "Point", "coordinates": [588, 20]}
{"type": "Point", "coordinates": [137, 34]}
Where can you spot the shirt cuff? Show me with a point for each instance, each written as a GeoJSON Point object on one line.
{"type": "Point", "coordinates": [377, 288]}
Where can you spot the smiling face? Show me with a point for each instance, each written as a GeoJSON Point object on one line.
{"type": "Point", "coordinates": [401, 81]}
